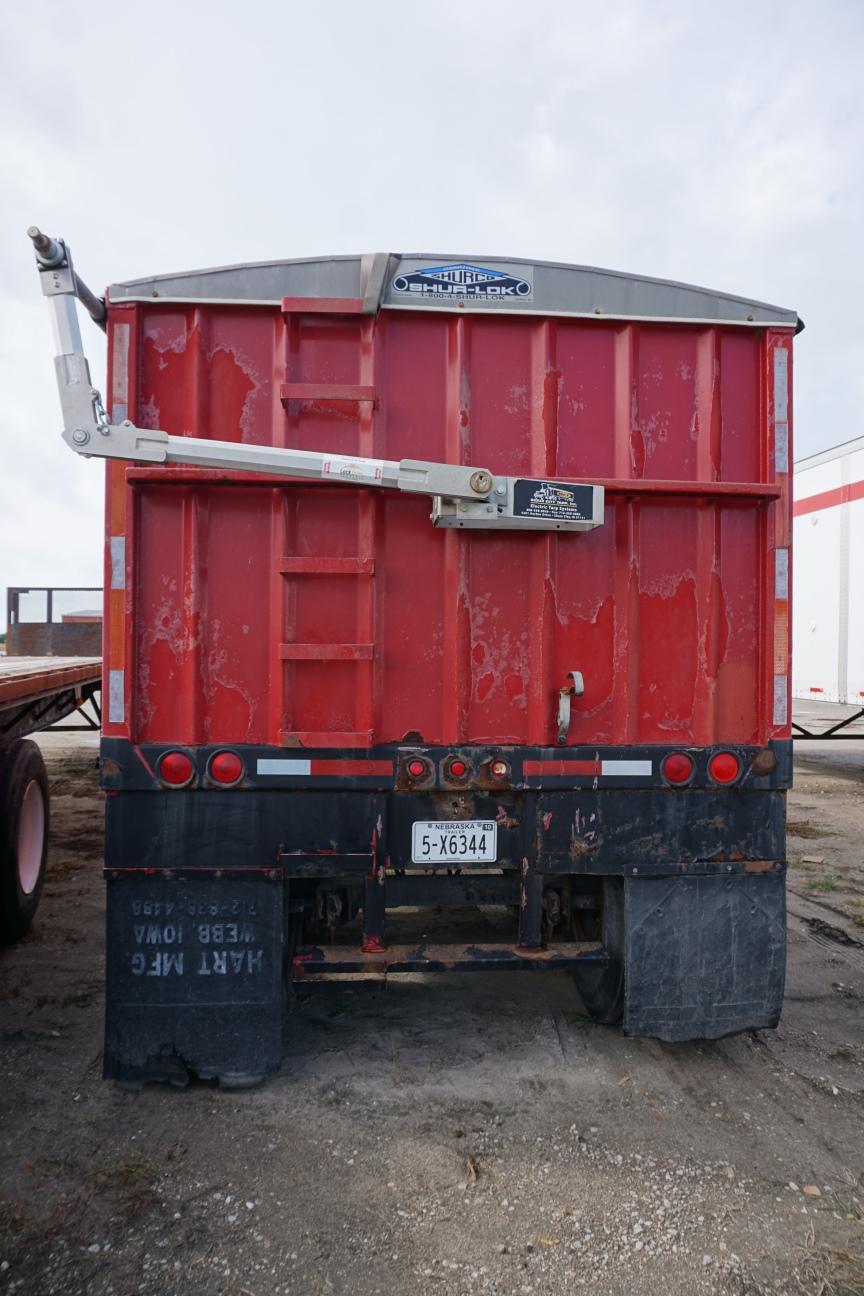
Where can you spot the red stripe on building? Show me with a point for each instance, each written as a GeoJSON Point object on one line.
{"type": "Point", "coordinates": [830, 499]}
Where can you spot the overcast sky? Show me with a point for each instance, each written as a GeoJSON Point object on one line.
{"type": "Point", "coordinates": [718, 144]}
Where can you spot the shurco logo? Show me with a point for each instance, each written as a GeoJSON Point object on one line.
{"type": "Point", "coordinates": [464, 281]}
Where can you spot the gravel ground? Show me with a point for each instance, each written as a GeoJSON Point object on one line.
{"type": "Point", "coordinates": [461, 1133]}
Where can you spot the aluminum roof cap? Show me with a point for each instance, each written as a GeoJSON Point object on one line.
{"type": "Point", "coordinates": [477, 283]}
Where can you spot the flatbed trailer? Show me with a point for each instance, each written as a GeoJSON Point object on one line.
{"type": "Point", "coordinates": [35, 693]}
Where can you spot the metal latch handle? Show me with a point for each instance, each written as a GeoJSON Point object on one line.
{"type": "Point", "coordinates": [575, 688]}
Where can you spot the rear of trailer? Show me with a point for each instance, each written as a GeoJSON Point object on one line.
{"type": "Point", "coordinates": [436, 582]}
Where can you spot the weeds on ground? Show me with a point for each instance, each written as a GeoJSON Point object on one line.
{"type": "Point", "coordinates": [804, 828]}
{"type": "Point", "coordinates": [829, 1271]}
{"type": "Point", "coordinates": [828, 882]}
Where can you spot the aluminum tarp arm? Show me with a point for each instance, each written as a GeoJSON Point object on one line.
{"type": "Point", "coordinates": [462, 495]}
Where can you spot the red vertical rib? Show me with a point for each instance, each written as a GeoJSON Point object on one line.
{"type": "Point", "coordinates": [543, 434]}
{"type": "Point", "coordinates": [279, 671]}
{"type": "Point", "coordinates": [367, 511]}
{"type": "Point", "coordinates": [625, 520]}
{"type": "Point", "coordinates": [455, 665]}
{"type": "Point", "coordinates": [192, 618]}
{"type": "Point", "coordinates": [708, 585]}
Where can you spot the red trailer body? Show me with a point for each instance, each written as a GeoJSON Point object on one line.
{"type": "Point", "coordinates": [326, 634]}
{"type": "Point", "coordinates": [314, 615]}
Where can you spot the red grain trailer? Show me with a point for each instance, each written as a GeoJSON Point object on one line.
{"type": "Point", "coordinates": [562, 695]}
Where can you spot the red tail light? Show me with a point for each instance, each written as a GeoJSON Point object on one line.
{"type": "Point", "coordinates": [176, 769]}
{"type": "Point", "coordinates": [678, 768]}
{"type": "Point", "coordinates": [724, 767]}
{"type": "Point", "coordinates": [456, 768]}
{"type": "Point", "coordinates": [226, 767]}
{"type": "Point", "coordinates": [499, 769]}
{"type": "Point", "coordinates": [417, 768]}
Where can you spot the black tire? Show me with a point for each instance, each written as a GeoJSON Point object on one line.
{"type": "Point", "coordinates": [602, 988]}
{"type": "Point", "coordinates": [23, 836]}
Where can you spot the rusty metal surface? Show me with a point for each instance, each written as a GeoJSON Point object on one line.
{"type": "Point", "coordinates": [53, 621]}
{"type": "Point", "coordinates": [64, 639]}
{"type": "Point", "coordinates": [444, 958]}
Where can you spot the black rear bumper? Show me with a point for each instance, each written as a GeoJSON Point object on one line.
{"type": "Point", "coordinates": [207, 888]}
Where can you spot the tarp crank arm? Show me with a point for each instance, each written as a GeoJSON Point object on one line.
{"type": "Point", "coordinates": [462, 495]}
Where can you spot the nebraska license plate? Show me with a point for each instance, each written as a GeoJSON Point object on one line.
{"type": "Point", "coordinates": [437, 841]}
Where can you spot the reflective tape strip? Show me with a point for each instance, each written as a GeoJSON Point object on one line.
{"type": "Point", "coordinates": [560, 768]}
{"type": "Point", "coordinates": [781, 573]}
{"type": "Point", "coordinates": [781, 637]}
{"type": "Point", "coordinates": [275, 766]}
{"type": "Point", "coordinates": [630, 767]}
{"type": "Point", "coordinates": [324, 768]}
{"type": "Point", "coordinates": [352, 768]}
{"type": "Point", "coordinates": [587, 768]}
{"type": "Point", "coordinates": [117, 550]}
{"type": "Point", "coordinates": [781, 700]}
{"type": "Point", "coordinates": [781, 410]}
{"type": "Point", "coordinates": [781, 616]}
{"type": "Point", "coordinates": [116, 696]}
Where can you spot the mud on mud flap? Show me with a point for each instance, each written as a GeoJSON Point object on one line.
{"type": "Point", "coordinates": [705, 956]}
{"type": "Point", "coordinates": [194, 977]}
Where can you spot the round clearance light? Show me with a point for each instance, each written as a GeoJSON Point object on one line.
{"type": "Point", "coordinates": [176, 769]}
{"type": "Point", "coordinates": [678, 768]}
{"type": "Point", "coordinates": [457, 768]}
{"type": "Point", "coordinates": [226, 767]}
{"type": "Point", "coordinates": [499, 769]}
{"type": "Point", "coordinates": [417, 768]}
{"type": "Point", "coordinates": [724, 767]}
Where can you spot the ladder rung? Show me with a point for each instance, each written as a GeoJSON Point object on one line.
{"type": "Point", "coordinates": [310, 739]}
{"type": "Point", "coordinates": [326, 566]}
{"type": "Point", "coordinates": [322, 305]}
{"type": "Point", "coordinates": [327, 391]}
{"type": "Point", "coordinates": [326, 652]}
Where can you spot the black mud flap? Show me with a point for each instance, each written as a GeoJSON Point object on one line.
{"type": "Point", "coordinates": [704, 956]}
{"type": "Point", "coordinates": [194, 978]}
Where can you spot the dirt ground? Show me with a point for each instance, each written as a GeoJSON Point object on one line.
{"type": "Point", "coordinates": [460, 1133]}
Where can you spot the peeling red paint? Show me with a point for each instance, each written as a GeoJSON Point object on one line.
{"type": "Point", "coordinates": [461, 636]}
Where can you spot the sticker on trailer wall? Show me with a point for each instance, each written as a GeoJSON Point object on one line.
{"type": "Point", "coordinates": [559, 501]}
{"type": "Point", "coordinates": [462, 282]}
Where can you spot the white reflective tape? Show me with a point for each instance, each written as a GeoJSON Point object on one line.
{"type": "Point", "coordinates": [641, 768]}
{"type": "Point", "coordinates": [116, 698]}
{"type": "Point", "coordinates": [120, 370]}
{"type": "Point", "coordinates": [781, 700]}
{"type": "Point", "coordinates": [781, 573]}
{"type": "Point", "coordinates": [781, 384]}
{"type": "Point", "coordinates": [117, 550]}
{"type": "Point", "coordinates": [781, 447]}
{"type": "Point", "coordinates": [781, 410]}
{"type": "Point", "coordinates": [284, 767]}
